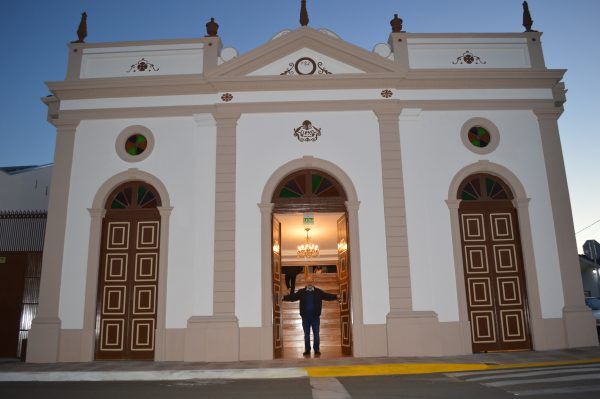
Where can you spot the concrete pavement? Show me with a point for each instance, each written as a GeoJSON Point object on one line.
{"type": "Point", "coordinates": [285, 369]}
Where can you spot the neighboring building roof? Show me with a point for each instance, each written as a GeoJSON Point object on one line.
{"type": "Point", "coordinates": [13, 170]}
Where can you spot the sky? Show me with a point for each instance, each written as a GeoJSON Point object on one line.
{"type": "Point", "coordinates": [36, 32]}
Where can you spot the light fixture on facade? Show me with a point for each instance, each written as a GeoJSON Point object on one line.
{"type": "Point", "coordinates": [276, 247]}
{"type": "Point", "coordinates": [308, 249]}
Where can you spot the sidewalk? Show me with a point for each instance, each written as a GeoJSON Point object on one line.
{"type": "Point", "coordinates": [282, 368]}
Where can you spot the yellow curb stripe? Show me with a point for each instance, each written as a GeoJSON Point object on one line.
{"type": "Point", "coordinates": [425, 368]}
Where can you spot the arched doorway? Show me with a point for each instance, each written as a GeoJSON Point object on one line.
{"type": "Point", "coordinates": [311, 191]}
{"type": "Point", "coordinates": [126, 307]}
{"type": "Point", "coordinates": [493, 265]}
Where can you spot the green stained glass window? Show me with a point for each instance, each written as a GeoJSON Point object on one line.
{"type": "Point", "coordinates": [479, 137]}
{"type": "Point", "coordinates": [484, 187]}
{"type": "Point", "coordinates": [136, 144]}
{"type": "Point", "coordinates": [134, 195]}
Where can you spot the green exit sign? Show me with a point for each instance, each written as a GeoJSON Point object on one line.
{"type": "Point", "coordinates": [2, 259]}
{"type": "Point", "coordinates": [309, 218]}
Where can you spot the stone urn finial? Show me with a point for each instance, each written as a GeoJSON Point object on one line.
{"type": "Point", "coordinates": [527, 21]}
{"type": "Point", "coordinates": [303, 14]}
{"type": "Point", "coordinates": [212, 28]}
{"type": "Point", "coordinates": [396, 24]}
{"type": "Point", "coordinates": [82, 29]}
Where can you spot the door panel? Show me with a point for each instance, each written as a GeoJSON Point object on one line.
{"type": "Point", "coordinates": [128, 285]}
{"type": "Point", "coordinates": [276, 278]}
{"type": "Point", "coordinates": [494, 277]}
{"type": "Point", "coordinates": [344, 277]}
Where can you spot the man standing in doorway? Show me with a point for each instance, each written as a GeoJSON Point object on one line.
{"type": "Point", "coordinates": [311, 299]}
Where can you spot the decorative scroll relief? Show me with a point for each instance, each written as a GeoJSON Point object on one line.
{"type": "Point", "coordinates": [307, 132]}
{"type": "Point", "coordinates": [306, 66]}
{"type": "Point", "coordinates": [143, 65]}
{"type": "Point", "coordinates": [468, 58]}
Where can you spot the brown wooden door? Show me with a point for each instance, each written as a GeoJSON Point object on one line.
{"type": "Point", "coordinates": [276, 271]}
{"type": "Point", "coordinates": [494, 277]}
{"type": "Point", "coordinates": [128, 275]}
{"type": "Point", "coordinates": [12, 277]}
{"type": "Point", "coordinates": [344, 278]}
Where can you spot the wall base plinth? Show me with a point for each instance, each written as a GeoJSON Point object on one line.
{"type": "Point", "coordinates": [580, 327]}
{"type": "Point", "coordinates": [413, 333]}
{"type": "Point", "coordinates": [212, 339]}
{"type": "Point", "coordinates": [43, 341]}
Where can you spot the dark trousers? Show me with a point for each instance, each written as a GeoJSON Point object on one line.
{"type": "Point", "coordinates": [290, 282]}
{"type": "Point", "coordinates": [308, 323]}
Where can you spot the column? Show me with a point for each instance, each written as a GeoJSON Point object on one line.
{"type": "Point", "coordinates": [216, 337]}
{"type": "Point", "coordinates": [409, 333]}
{"type": "Point", "coordinates": [579, 322]}
{"type": "Point", "coordinates": [44, 336]}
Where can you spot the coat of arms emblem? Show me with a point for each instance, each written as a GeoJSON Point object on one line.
{"type": "Point", "coordinates": [307, 132]}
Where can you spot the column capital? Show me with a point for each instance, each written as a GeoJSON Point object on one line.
{"type": "Point", "coordinates": [548, 113]}
{"type": "Point", "coordinates": [352, 206]}
{"type": "Point", "coordinates": [453, 204]}
{"type": "Point", "coordinates": [266, 207]}
{"type": "Point", "coordinates": [387, 113]}
{"type": "Point", "coordinates": [226, 118]}
{"type": "Point", "coordinates": [164, 210]}
{"type": "Point", "coordinates": [204, 120]}
{"type": "Point", "coordinates": [66, 125]}
{"type": "Point", "coordinates": [97, 212]}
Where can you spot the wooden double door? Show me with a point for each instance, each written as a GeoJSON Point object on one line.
{"type": "Point", "coordinates": [128, 285]}
{"type": "Point", "coordinates": [494, 276]}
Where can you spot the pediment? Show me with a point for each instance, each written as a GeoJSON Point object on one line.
{"type": "Point", "coordinates": [305, 51]}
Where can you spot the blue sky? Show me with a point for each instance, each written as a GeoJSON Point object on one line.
{"type": "Point", "coordinates": [35, 34]}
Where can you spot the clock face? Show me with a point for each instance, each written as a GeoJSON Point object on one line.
{"type": "Point", "coordinates": [305, 66]}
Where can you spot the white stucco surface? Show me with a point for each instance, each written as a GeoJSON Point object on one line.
{"type": "Point", "coordinates": [350, 140]}
{"type": "Point", "coordinates": [433, 153]}
{"type": "Point", "coordinates": [183, 159]}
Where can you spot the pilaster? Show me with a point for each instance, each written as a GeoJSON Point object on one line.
{"type": "Point", "coordinates": [579, 322]}
{"type": "Point", "coordinates": [534, 45]}
{"type": "Point", "coordinates": [44, 337]}
{"type": "Point", "coordinates": [399, 44]}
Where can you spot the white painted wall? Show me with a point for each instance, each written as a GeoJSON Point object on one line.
{"type": "Point", "coordinates": [26, 190]}
{"type": "Point", "coordinates": [183, 159]}
{"type": "Point", "coordinates": [442, 53]}
{"type": "Point", "coordinates": [351, 141]}
{"type": "Point", "coordinates": [168, 59]}
{"type": "Point", "coordinates": [432, 154]}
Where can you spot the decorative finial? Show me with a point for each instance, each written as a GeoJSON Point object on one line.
{"type": "Point", "coordinates": [396, 24]}
{"type": "Point", "coordinates": [527, 21]}
{"type": "Point", "coordinates": [303, 14]}
{"type": "Point", "coordinates": [82, 29]}
{"type": "Point", "coordinates": [212, 28]}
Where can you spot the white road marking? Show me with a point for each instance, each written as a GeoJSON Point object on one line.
{"type": "Point", "coordinates": [328, 388]}
{"type": "Point", "coordinates": [473, 373]}
{"type": "Point", "coordinates": [532, 374]}
{"type": "Point", "coordinates": [165, 375]}
{"type": "Point", "coordinates": [543, 380]}
{"type": "Point", "coordinates": [555, 391]}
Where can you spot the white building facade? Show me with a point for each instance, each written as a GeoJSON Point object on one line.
{"type": "Point", "coordinates": [446, 149]}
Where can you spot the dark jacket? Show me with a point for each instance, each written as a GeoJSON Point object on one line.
{"type": "Point", "coordinates": [320, 296]}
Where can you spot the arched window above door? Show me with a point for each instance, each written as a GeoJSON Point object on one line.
{"type": "Point", "coordinates": [309, 189]}
{"type": "Point", "coordinates": [133, 195]}
{"type": "Point", "coordinates": [484, 187]}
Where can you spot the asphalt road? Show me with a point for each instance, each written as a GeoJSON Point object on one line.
{"type": "Point", "coordinates": [549, 382]}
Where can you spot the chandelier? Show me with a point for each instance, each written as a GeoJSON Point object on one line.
{"type": "Point", "coordinates": [308, 249]}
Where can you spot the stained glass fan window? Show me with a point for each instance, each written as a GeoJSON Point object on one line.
{"type": "Point", "coordinates": [134, 195]}
{"type": "Point", "coordinates": [484, 188]}
{"type": "Point", "coordinates": [319, 185]}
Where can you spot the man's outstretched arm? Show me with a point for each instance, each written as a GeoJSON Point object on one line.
{"type": "Point", "coordinates": [292, 297]}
